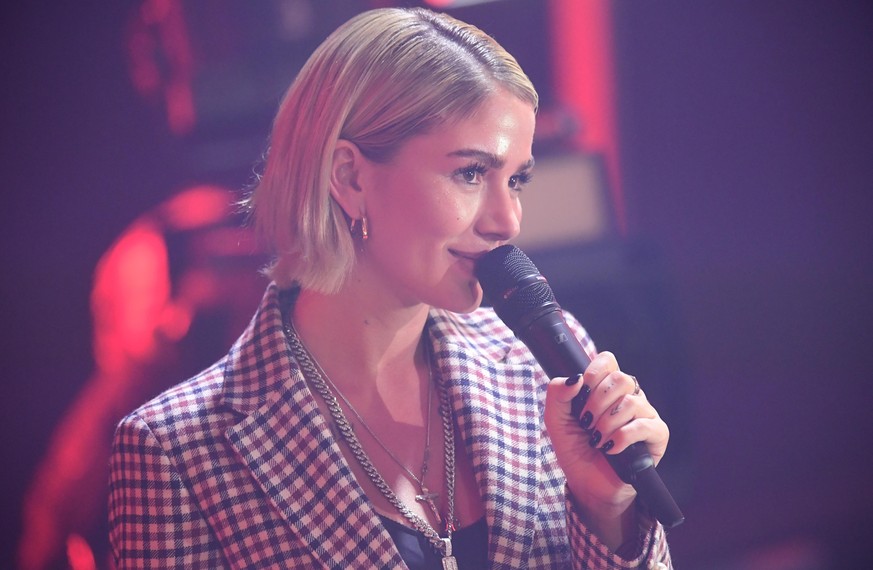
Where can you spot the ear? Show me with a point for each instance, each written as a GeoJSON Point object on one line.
{"type": "Point", "coordinates": [345, 175]}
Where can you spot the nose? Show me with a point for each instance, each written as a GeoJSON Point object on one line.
{"type": "Point", "coordinates": [500, 215]}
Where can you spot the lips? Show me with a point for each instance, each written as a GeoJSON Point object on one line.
{"type": "Point", "coordinates": [472, 256]}
{"type": "Point", "coordinates": [467, 260]}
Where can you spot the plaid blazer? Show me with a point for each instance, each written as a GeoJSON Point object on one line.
{"type": "Point", "coordinates": [237, 467]}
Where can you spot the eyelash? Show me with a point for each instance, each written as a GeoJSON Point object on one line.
{"type": "Point", "coordinates": [521, 179]}
{"type": "Point", "coordinates": [476, 168]}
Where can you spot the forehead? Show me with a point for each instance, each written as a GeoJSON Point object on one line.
{"type": "Point", "coordinates": [502, 126]}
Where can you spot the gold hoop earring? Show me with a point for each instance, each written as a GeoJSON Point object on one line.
{"type": "Point", "coordinates": [359, 228]}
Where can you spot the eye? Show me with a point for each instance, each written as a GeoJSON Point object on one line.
{"type": "Point", "coordinates": [520, 180]}
{"type": "Point", "coordinates": [472, 174]}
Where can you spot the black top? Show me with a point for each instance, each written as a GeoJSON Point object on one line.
{"type": "Point", "coordinates": [469, 546]}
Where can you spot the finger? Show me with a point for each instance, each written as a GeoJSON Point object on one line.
{"type": "Point", "coordinates": [578, 401]}
{"type": "Point", "coordinates": [563, 390]}
{"type": "Point", "coordinates": [560, 395]}
{"type": "Point", "coordinates": [625, 410]}
{"type": "Point", "coordinates": [605, 395]}
{"type": "Point", "coordinates": [599, 368]}
{"type": "Point", "coordinates": [653, 431]}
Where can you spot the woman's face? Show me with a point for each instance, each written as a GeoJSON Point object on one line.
{"type": "Point", "coordinates": [445, 199]}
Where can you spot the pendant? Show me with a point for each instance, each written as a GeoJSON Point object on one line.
{"type": "Point", "coordinates": [427, 498]}
{"type": "Point", "coordinates": [449, 562]}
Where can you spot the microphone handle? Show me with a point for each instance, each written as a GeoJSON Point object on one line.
{"type": "Point", "coordinates": [559, 353]}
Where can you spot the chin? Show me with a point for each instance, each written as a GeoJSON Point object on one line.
{"type": "Point", "coordinates": [470, 299]}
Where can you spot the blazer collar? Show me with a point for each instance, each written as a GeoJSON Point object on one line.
{"type": "Point", "coordinates": [498, 413]}
{"type": "Point", "coordinates": [288, 446]}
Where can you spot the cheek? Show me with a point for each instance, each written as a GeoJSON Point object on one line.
{"type": "Point", "coordinates": [435, 219]}
{"type": "Point", "coordinates": [457, 213]}
{"type": "Point", "coordinates": [433, 215]}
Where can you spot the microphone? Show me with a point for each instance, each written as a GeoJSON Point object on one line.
{"type": "Point", "coordinates": [522, 298]}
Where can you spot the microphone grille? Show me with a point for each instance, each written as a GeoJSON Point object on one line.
{"type": "Point", "coordinates": [513, 285]}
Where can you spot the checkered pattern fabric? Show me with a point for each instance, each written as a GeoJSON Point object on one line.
{"type": "Point", "coordinates": [237, 468]}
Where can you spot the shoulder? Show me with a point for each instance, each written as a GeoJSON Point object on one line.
{"type": "Point", "coordinates": [200, 409]}
{"type": "Point", "coordinates": [189, 405]}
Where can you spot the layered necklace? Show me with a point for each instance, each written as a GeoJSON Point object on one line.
{"type": "Point", "coordinates": [328, 391]}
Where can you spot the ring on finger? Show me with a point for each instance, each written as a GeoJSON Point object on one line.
{"type": "Point", "coordinates": [636, 385]}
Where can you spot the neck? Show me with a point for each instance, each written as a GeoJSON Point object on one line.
{"type": "Point", "coordinates": [362, 343]}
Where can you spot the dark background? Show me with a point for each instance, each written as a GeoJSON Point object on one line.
{"type": "Point", "coordinates": [747, 129]}
{"type": "Point", "coordinates": [746, 135]}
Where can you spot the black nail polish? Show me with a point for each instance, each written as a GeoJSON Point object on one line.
{"type": "Point", "coordinates": [578, 401]}
{"type": "Point", "coordinates": [586, 420]}
{"type": "Point", "coordinates": [573, 380]}
{"type": "Point", "coordinates": [595, 439]}
{"type": "Point", "coordinates": [607, 446]}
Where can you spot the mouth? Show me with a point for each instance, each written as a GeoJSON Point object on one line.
{"type": "Point", "coordinates": [472, 256]}
{"type": "Point", "coordinates": [467, 260]}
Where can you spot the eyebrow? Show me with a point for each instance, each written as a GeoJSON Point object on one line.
{"type": "Point", "coordinates": [489, 159]}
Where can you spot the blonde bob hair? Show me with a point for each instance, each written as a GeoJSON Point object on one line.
{"type": "Point", "coordinates": [382, 77]}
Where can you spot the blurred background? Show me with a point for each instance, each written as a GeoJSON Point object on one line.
{"type": "Point", "coordinates": [702, 203]}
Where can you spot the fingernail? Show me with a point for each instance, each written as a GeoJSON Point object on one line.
{"type": "Point", "coordinates": [573, 380]}
{"type": "Point", "coordinates": [579, 400]}
{"type": "Point", "coordinates": [595, 439]}
{"type": "Point", "coordinates": [586, 420]}
{"type": "Point", "coordinates": [584, 392]}
{"type": "Point", "coordinates": [607, 446]}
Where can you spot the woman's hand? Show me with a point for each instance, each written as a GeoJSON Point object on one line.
{"type": "Point", "coordinates": [616, 414]}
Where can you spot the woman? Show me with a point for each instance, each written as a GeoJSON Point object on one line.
{"type": "Point", "coordinates": [371, 416]}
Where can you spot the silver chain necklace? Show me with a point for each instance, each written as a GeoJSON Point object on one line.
{"type": "Point", "coordinates": [313, 372]}
{"type": "Point", "coordinates": [425, 495]}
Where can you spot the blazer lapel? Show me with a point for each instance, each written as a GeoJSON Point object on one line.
{"type": "Point", "coordinates": [287, 453]}
{"type": "Point", "coordinates": [289, 450]}
{"type": "Point", "coordinates": [497, 411]}
{"type": "Point", "coordinates": [287, 447]}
